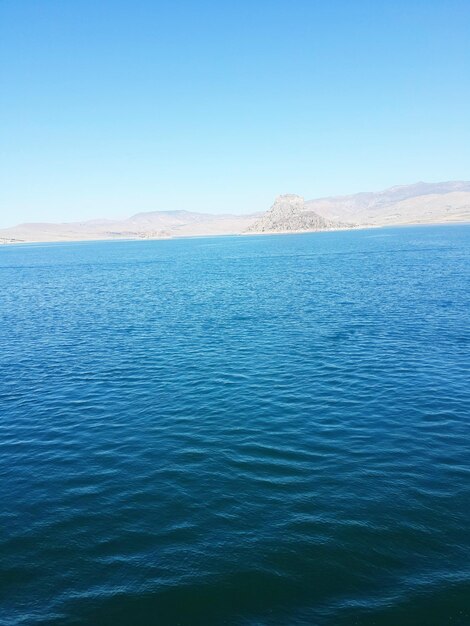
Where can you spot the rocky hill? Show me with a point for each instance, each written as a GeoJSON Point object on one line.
{"type": "Point", "coordinates": [289, 214]}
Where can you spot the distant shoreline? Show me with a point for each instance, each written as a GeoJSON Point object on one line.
{"type": "Point", "coordinates": [400, 206]}
{"type": "Point", "coordinates": [243, 234]}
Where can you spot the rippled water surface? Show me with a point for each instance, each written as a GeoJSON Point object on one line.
{"type": "Point", "coordinates": [244, 430]}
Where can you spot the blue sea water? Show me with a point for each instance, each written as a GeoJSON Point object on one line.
{"type": "Point", "coordinates": [237, 430]}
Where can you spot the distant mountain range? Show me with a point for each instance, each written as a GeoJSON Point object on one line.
{"type": "Point", "coordinates": [421, 203]}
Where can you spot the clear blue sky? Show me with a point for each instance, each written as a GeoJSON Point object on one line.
{"type": "Point", "coordinates": [111, 107]}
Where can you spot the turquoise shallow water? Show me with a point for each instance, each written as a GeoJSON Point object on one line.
{"type": "Point", "coordinates": [246, 430]}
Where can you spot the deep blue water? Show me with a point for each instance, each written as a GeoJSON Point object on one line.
{"type": "Point", "coordinates": [242, 430]}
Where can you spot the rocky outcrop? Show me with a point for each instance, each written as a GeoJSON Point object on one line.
{"type": "Point", "coordinates": [290, 214]}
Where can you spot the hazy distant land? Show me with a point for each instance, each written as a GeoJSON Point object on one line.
{"type": "Point", "coordinates": [421, 203]}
